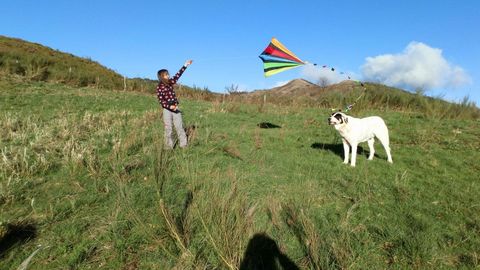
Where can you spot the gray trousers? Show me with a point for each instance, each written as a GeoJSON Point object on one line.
{"type": "Point", "coordinates": [170, 120]}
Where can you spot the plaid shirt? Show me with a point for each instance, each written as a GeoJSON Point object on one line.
{"type": "Point", "coordinates": [166, 94]}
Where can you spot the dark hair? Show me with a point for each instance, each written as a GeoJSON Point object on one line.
{"type": "Point", "coordinates": [160, 73]}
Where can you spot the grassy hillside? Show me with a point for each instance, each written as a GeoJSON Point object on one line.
{"type": "Point", "coordinates": [39, 63]}
{"type": "Point", "coordinates": [83, 174]}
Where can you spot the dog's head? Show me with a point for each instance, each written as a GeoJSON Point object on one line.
{"type": "Point", "coordinates": [338, 118]}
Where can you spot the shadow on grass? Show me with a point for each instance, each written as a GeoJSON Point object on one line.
{"type": "Point", "coordinates": [16, 234]}
{"type": "Point", "coordinates": [190, 131]}
{"type": "Point", "coordinates": [338, 149]}
{"type": "Point", "coordinates": [180, 220]}
{"type": "Point", "coordinates": [267, 125]}
{"type": "Point", "coordinates": [263, 253]}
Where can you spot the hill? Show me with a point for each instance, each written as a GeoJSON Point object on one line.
{"type": "Point", "coordinates": [40, 63]}
{"type": "Point", "coordinates": [367, 97]}
{"type": "Point", "coordinates": [297, 87]}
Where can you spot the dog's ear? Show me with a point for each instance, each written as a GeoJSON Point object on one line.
{"type": "Point", "coordinates": [339, 117]}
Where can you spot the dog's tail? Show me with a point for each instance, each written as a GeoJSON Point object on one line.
{"type": "Point", "coordinates": [384, 139]}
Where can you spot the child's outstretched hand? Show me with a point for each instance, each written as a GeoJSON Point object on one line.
{"type": "Point", "coordinates": [188, 63]}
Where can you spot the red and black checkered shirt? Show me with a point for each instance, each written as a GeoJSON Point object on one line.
{"type": "Point", "coordinates": [166, 94]}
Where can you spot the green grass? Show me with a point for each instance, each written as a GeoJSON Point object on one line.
{"type": "Point", "coordinates": [83, 173]}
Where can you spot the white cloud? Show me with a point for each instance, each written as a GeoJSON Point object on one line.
{"type": "Point", "coordinates": [319, 75]}
{"type": "Point", "coordinates": [418, 66]}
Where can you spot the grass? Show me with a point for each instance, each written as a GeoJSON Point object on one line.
{"type": "Point", "coordinates": [83, 173]}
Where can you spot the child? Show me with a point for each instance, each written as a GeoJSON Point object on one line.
{"type": "Point", "coordinates": [171, 113]}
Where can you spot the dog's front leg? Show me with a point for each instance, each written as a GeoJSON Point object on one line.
{"type": "Point", "coordinates": [346, 151]}
{"type": "Point", "coordinates": [354, 154]}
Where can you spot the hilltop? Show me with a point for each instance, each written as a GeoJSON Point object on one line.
{"type": "Point", "coordinates": [296, 87]}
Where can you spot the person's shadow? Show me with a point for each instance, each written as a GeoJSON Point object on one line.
{"type": "Point", "coordinates": [16, 234]}
{"type": "Point", "coordinates": [262, 253]}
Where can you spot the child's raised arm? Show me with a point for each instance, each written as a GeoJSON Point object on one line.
{"type": "Point", "coordinates": [180, 72]}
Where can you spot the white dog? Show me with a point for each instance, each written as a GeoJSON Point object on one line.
{"type": "Point", "coordinates": [354, 131]}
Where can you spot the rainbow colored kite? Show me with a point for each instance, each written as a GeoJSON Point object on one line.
{"type": "Point", "coordinates": [277, 58]}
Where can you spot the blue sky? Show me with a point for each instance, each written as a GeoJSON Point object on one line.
{"type": "Point", "coordinates": [224, 38]}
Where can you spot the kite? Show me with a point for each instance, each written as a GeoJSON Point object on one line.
{"type": "Point", "coordinates": [277, 58]}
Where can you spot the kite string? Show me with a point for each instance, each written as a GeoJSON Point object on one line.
{"type": "Point", "coordinates": [202, 60]}
{"type": "Point", "coordinates": [350, 106]}
{"type": "Point", "coordinates": [348, 76]}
